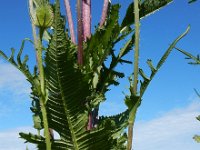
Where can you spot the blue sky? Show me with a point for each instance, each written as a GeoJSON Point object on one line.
{"type": "Point", "coordinates": [167, 114]}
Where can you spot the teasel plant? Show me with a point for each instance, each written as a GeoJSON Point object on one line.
{"type": "Point", "coordinates": [71, 78]}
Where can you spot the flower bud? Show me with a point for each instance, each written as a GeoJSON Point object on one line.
{"type": "Point", "coordinates": [43, 16]}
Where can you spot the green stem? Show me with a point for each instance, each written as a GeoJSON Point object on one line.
{"type": "Point", "coordinates": [40, 63]}
{"type": "Point", "coordinates": [131, 121]}
{"type": "Point", "coordinates": [43, 92]}
{"type": "Point", "coordinates": [136, 54]}
{"type": "Point", "coordinates": [38, 47]}
{"type": "Point", "coordinates": [46, 126]}
{"type": "Point", "coordinates": [135, 78]}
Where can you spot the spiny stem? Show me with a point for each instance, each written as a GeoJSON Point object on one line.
{"type": "Point", "coordinates": [104, 12]}
{"type": "Point", "coordinates": [80, 33]}
{"type": "Point", "coordinates": [135, 78]}
{"type": "Point", "coordinates": [70, 20]}
{"type": "Point", "coordinates": [40, 63]}
{"type": "Point", "coordinates": [131, 121]}
{"type": "Point", "coordinates": [38, 47]}
{"type": "Point", "coordinates": [136, 54]}
{"type": "Point", "coordinates": [46, 126]}
{"type": "Point", "coordinates": [43, 92]}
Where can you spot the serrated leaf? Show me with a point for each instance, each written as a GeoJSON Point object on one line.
{"type": "Point", "coordinates": [146, 8]}
{"type": "Point", "coordinates": [100, 45]}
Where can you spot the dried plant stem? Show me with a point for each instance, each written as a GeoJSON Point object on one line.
{"type": "Point", "coordinates": [35, 39]}
{"type": "Point", "coordinates": [70, 20]}
{"type": "Point", "coordinates": [86, 14]}
{"type": "Point", "coordinates": [104, 12]}
{"type": "Point", "coordinates": [80, 33]}
{"type": "Point", "coordinates": [135, 78]}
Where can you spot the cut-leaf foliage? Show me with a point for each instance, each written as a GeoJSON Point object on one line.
{"type": "Point", "coordinates": [74, 91]}
{"type": "Point", "coordinates": [32, 78]}
{"type": "Point", "coordinates": [68, 92]}
{"type": "Point", "coordinates": [102, 45]}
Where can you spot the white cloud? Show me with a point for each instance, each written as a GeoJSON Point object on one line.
{"type": "Point", "coordinates": [14, 90]}
{"type": "Point", "coordinates": [12, 80]}
{"type": "Point", "coordinates": [172, 131]}
{"type": "Point", "coordinates": [9, 140]}
{"type": "Point", "coordinates": [109, 108]}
